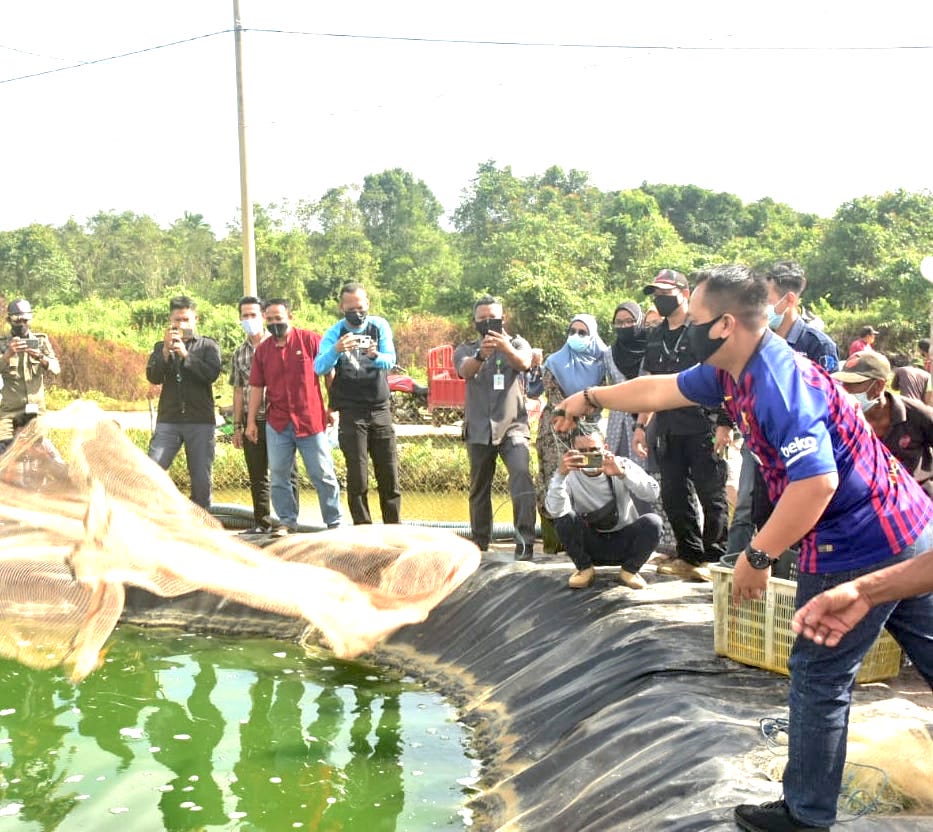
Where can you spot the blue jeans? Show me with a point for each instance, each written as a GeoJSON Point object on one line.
{"type": "Point", "coordinates": [198, 440]}
{"type": "Point", "coordinates": [319, 464]}
{"type": "Point", "coordinates": [821, 681]}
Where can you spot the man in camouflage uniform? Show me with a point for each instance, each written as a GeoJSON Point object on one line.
{"type": "Point", "coordinates": [24, 358]}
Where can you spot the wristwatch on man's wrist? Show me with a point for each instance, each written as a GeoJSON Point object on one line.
{"type": "Point", "coordinates": [478, 356]}
{"type": "Point", "coordinates": [758, 559]}
{"type": "Point", "coordinates": [638, 426]}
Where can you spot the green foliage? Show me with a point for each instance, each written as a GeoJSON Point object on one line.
{"type": "Point", "coordinates": [871, 249]}
{"type": "Point", "coordinates": [549, 245]}
{"type": "Point", "coordinates": [702, 217]}
{"type": "Point", "coordinates": [34, 265]}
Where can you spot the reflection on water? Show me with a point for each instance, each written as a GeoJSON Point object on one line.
{"type": "Point", "coordinates": [183, 732]}
{"type": "Point", "coordinates": [451, 507]}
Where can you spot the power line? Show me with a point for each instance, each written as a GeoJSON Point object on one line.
{"type": "Point", "coordinates": [616, 46]}
{"type": "Point", "coordinates": [471, 42]}
{"type": "Point", "coordinates": [110, 57]}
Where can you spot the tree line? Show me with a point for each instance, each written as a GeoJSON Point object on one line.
{"type": "Point", "coordinates": [549, 245]}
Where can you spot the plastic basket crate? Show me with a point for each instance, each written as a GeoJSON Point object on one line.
{"type": "Point", "coordinates": [759, 632]}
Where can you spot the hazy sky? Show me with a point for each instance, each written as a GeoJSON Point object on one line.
{"type": "Point", "coordinates": [812, 103]}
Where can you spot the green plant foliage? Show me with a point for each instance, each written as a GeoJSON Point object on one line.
{"type": "Point", "coordinates": [549, 245]}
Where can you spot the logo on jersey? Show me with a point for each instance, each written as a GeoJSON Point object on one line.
{"type": "Point", "coordinates": [797, 448]}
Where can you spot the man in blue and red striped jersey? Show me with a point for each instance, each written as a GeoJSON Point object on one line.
{"type": "Point", "coordinates": [836, 488]}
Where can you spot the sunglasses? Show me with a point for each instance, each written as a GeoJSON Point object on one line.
{"type": "Point", "coordinates": [578, 332]}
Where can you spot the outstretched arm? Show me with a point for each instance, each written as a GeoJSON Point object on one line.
{"type": "Point", "coordinates": [645, 393]}
{"type": "Point", "coordinates": [830, 615]}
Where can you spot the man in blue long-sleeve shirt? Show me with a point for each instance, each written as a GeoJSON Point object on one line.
{"type": "Point", "coordinates": [360, 351]}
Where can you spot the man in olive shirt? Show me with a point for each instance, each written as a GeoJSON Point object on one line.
{"type": "Point", "coordinates": [496, 423]}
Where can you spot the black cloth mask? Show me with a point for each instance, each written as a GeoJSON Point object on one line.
{"type": "Point", "coordinates": [629, 349]}
{"type": "Point", "coordinates": [666, 304]}
{"type": "Point", "coordinates": [355, 318]}
{"type": "Point", "coordinates": [701, 345]}
{"type": "Point", "coordinates": [20, 330]}
{"type": "Point", "coordinates": [277, 330]}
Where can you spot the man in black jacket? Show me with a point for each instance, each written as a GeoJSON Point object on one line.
{"type": "Point", "coordinates": [186, 365]}
{"type": "Point", "coordinates": [691, 442]}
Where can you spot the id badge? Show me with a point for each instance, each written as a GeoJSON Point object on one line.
{"type": "Point", "coordinates": [31, 409]}
{"type": "Point", "coordinates": [498, 381]}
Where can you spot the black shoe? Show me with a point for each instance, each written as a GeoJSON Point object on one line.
{"type": "Point", "coordinates": [524, 551]}
{"type": "Point", "coordinates": [771, 817]}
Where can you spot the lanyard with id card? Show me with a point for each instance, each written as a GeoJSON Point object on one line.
{"type": "Point", "coordinates": [498, 379]}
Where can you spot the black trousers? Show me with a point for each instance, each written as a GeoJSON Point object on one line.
{"type": "Point", "coordinates": [365, 433]}
{"type": "Point", "coordinates": [628, 547]}
{"type": "Point", "coordinates": [688, 463]}
{"type": "Point", "coordinates": [517, 460]}
{"type": "Point", "coordinates": [257, 466]}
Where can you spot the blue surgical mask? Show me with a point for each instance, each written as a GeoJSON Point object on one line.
{"type": "Point", "coordinates": [775, 319]}
{"type": "Point", "coordinates": [252, 326]}
{"type": "Point", "coordinates": [864, 402]}
{"type": "Point", "coordinates": [578, 343]}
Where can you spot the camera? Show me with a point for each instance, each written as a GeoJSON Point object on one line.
{"type": "Point", "coordinates": [592, 459]}
{"type": "Point", "coordinates": [32, 343]}
{"type": "Point", "coordinates": [187, 333]}
{"type": "Point", "coordinates": [364, 343]}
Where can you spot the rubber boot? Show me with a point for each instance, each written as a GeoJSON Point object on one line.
{"type": "Point", "coordinates": [550, 540]}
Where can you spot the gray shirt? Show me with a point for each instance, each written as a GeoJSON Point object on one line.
{"type": "Point", "coordinates": [590, 493]}
{"type": "Point", "coordinates": [492, 415]}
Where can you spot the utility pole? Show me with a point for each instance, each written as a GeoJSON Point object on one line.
{"type": "Point", "coordinates": [246, 206]}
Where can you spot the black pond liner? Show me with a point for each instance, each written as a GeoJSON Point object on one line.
{"type": "Point", "coordinates": [598, 709]}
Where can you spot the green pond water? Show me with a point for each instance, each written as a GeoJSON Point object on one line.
{"type": "Point", "coordinates": [183, 732]}
{"type": "Point", "coordinates": [441, 505]}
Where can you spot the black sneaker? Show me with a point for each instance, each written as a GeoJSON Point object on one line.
{"type": "Point", "coordinates": [771, 817]}
{"type": "Point", "coordinates": [524, 551]}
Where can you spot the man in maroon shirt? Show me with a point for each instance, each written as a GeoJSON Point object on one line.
{"type": "Point", "coordinates": [296, 418]}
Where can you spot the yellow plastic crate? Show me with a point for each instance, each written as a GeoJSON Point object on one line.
{"type": "Point", "coordinates": [759, 632]}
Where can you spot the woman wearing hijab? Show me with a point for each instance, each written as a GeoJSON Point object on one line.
{"type": "Point", "coordinates": [580, 363]}
{"type": "Point", "coordinates": [631, 326]}
{"type": "Point", "coordinates": [627, 351]}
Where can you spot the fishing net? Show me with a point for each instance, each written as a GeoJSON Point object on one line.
{"type": "Point", "coordinates": [84, 513]}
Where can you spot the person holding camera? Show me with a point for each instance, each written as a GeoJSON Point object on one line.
{"type": "Point", "coordinates": [495, 423]}
{"type": "Point", "coordinates": [590, 498]}
{"type": "Point", "coordinates": [25, 356]}
{"type": "Point", "coordinates": [186, 364]}
{"type": "Point", "coordinates": [360, 351]}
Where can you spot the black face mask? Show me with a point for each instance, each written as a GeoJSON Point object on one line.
{"type": "Point", "coordinates": [630, 335]}
{"type": "Point", "coordinates": [701, 345]}
{"type": "Point", "coordinates": [277, 330]}
{"type": "Point", "coordinates": [20, 330]}
{"type": "Point", "coordinates": [666, 304]}
{"type": "Point", "coordinates": [355, 318]}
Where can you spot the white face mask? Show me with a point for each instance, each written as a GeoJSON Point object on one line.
{"type": "Point", "coordinates": [578, 343]}
{"type": "Point", "coordinates": [252, 326]}
{"type": "Point", "coordinates": [864, 402]}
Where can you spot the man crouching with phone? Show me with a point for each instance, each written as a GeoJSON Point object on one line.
{"type": "Point", "coordinates": [24, 358]}
{"type": "Point", "coordinates": [590, 499]}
